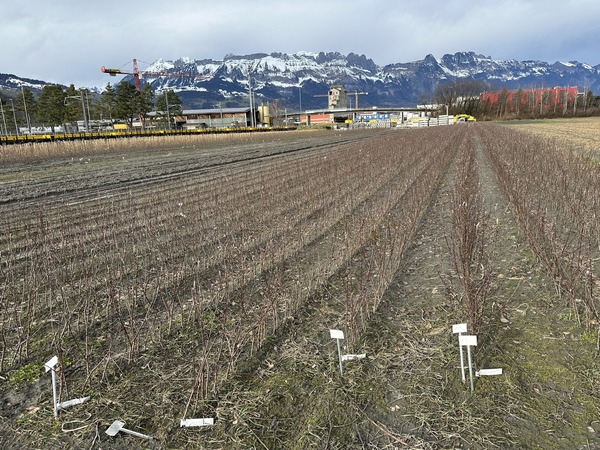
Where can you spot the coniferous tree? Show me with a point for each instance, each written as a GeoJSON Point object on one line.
{"type": "Point", "coordinates": [73, 108]}
{"type": "Point", "coordinates": [107, 102]}
{"type": "Point", "coordinates": [126, 107]}
{"type": "Point", "coordinates": [50, 106]}
{"type": "Point", "coordinates": [171, 98]}
{"type": "Point", "coordinates": [144, 100]}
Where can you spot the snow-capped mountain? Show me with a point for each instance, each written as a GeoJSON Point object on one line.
{"type": "Point", "coordinates": [300, 79]}
{"type": "Point", "coordinates": [9, 82]}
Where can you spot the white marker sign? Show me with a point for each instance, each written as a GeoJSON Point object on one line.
{"type": "Point", "coordinates": [468, 341]}
{"type": "Point", "coordinates": [459, 328]}
{"type": "Point", "coordinates": [197, 422]}
{"type": "Point", "coordinates": [336, 334]}
{"type": "Point", "coordinates": [117, 426]}
{"type": "Point", "coordinates": [75, 401]}
{"type": "Point", "coordinates": [351, 357]}
{"type": "Point", "coordinates": [488, 372]}
{"type": "Point", "coordinates": [50, 364]}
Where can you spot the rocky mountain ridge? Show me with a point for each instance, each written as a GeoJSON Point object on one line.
{"type": "Point", "coordinates": [298, 79]}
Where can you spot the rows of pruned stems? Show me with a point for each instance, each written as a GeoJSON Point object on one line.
{"type": "Point", "coordinates": [78, 148]}
{"type": "Point", "coordinates": [554, 193]}
{"type": "Point", "coordinates": [469, 238]}
{"type": "Point", "coordinates": [219, 264]}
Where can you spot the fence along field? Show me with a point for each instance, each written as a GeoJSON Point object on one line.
{"type": "Point", "coordinates": [167, 300]}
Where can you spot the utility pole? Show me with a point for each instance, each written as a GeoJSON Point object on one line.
{"type": "Point", "coordinates": [167, 104]}
{"type": "Point", "coordinates": [87, 101]}
{"type": "Point", "coordinates": [25, 107]}
{"type": "Point", "coordinates": [3, 118]}
{"type": "Point", "coordinates": [85, 119]}
{"type": "Point", "coordinates": [14, 116]}
{"type": "Point", "coordinates": [356, 94]}
{"type": "Point", "coordinates": [250, 95]}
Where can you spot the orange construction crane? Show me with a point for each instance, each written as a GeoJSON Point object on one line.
{"type": "Point", "coordinates": [136, 74]}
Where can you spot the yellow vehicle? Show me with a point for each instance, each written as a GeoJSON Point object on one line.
{"type": "Point", "coordinates": [459, 118]}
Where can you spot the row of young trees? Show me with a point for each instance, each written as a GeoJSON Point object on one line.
{"type": "Point", "coordinates": [465, 96]}
{"type": "Point", "coordinates": [56, 106]}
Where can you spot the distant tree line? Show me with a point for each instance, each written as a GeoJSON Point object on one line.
{"type": "Point", "coordinates": [57, 106]}
{"type": "Point", "coordinates": [465, 96]}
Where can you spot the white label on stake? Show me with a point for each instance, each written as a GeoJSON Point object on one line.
{"type": "Point", "coordinates": [459, 328]}
{"type": "Point", "coordinates": [350, 357]}
{"type": "Point", "coordinates": [50, 364]}
{"type": "Point", "coordinates": [75, 401]}
{"type": "Point", "coordinates": [488, 372]}
{"type": "Point", "coordinates": [467, 339]}
{"type": "Point", "coordinates": [197, 422]}
{"type": "Point", "coordinates": [336, 334]}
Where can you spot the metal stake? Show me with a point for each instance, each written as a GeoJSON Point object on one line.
{"type": "Point", "coordinates": [54, 399]}
{"type": "Point", "coordinates": [338, 335]}
{"type": "Point", "coordinates": [468, 341]}
{"type": "Point", "coordinates": [50, 366]}
{"type": "Point", "coordinates": [460, 328]}
{"type": "Point", "coordinates": [470, 366]}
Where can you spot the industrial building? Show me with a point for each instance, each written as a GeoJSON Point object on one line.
{"type": "Point", "coordinates": [194, 119]}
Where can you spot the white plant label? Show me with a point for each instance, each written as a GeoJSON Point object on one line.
{"type": "Point", "coordinates": [336, 334]}
{"type": "Point", "coordinates": [205, 422]}
{"type": "Point", "coordinates": [75, 401]}
{"type": "Point", "coordinates": [351, 357]}
{"type": "Point", "coordinates": [459, 328]}
{"type": "Point", "coordinates": [488, 372]}
{"type": "Point", "coordinates": [117, 426]}
{"type": "Point", "coordinates": [50, 364]}
{"type": "Point", "coordinates": [467, 340]}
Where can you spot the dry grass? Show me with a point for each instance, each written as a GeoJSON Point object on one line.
{"type": "Point", "coordinates": [582, 133]}
{"type": "Point", "coordinates": [78, 148]}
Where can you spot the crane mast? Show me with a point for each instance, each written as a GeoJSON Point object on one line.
{"type": "Point", "coordinates": [137, 74]}
{"type": "Point", "coordinates": [356, 94]}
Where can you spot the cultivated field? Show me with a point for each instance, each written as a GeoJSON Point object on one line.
{"type": "Point", "coordinates": [198, 277]}
{"type": "Point", "coordinates": [582, 134]}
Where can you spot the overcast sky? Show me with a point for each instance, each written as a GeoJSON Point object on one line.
{"type": "Point", "coordinates": [66, 41]}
